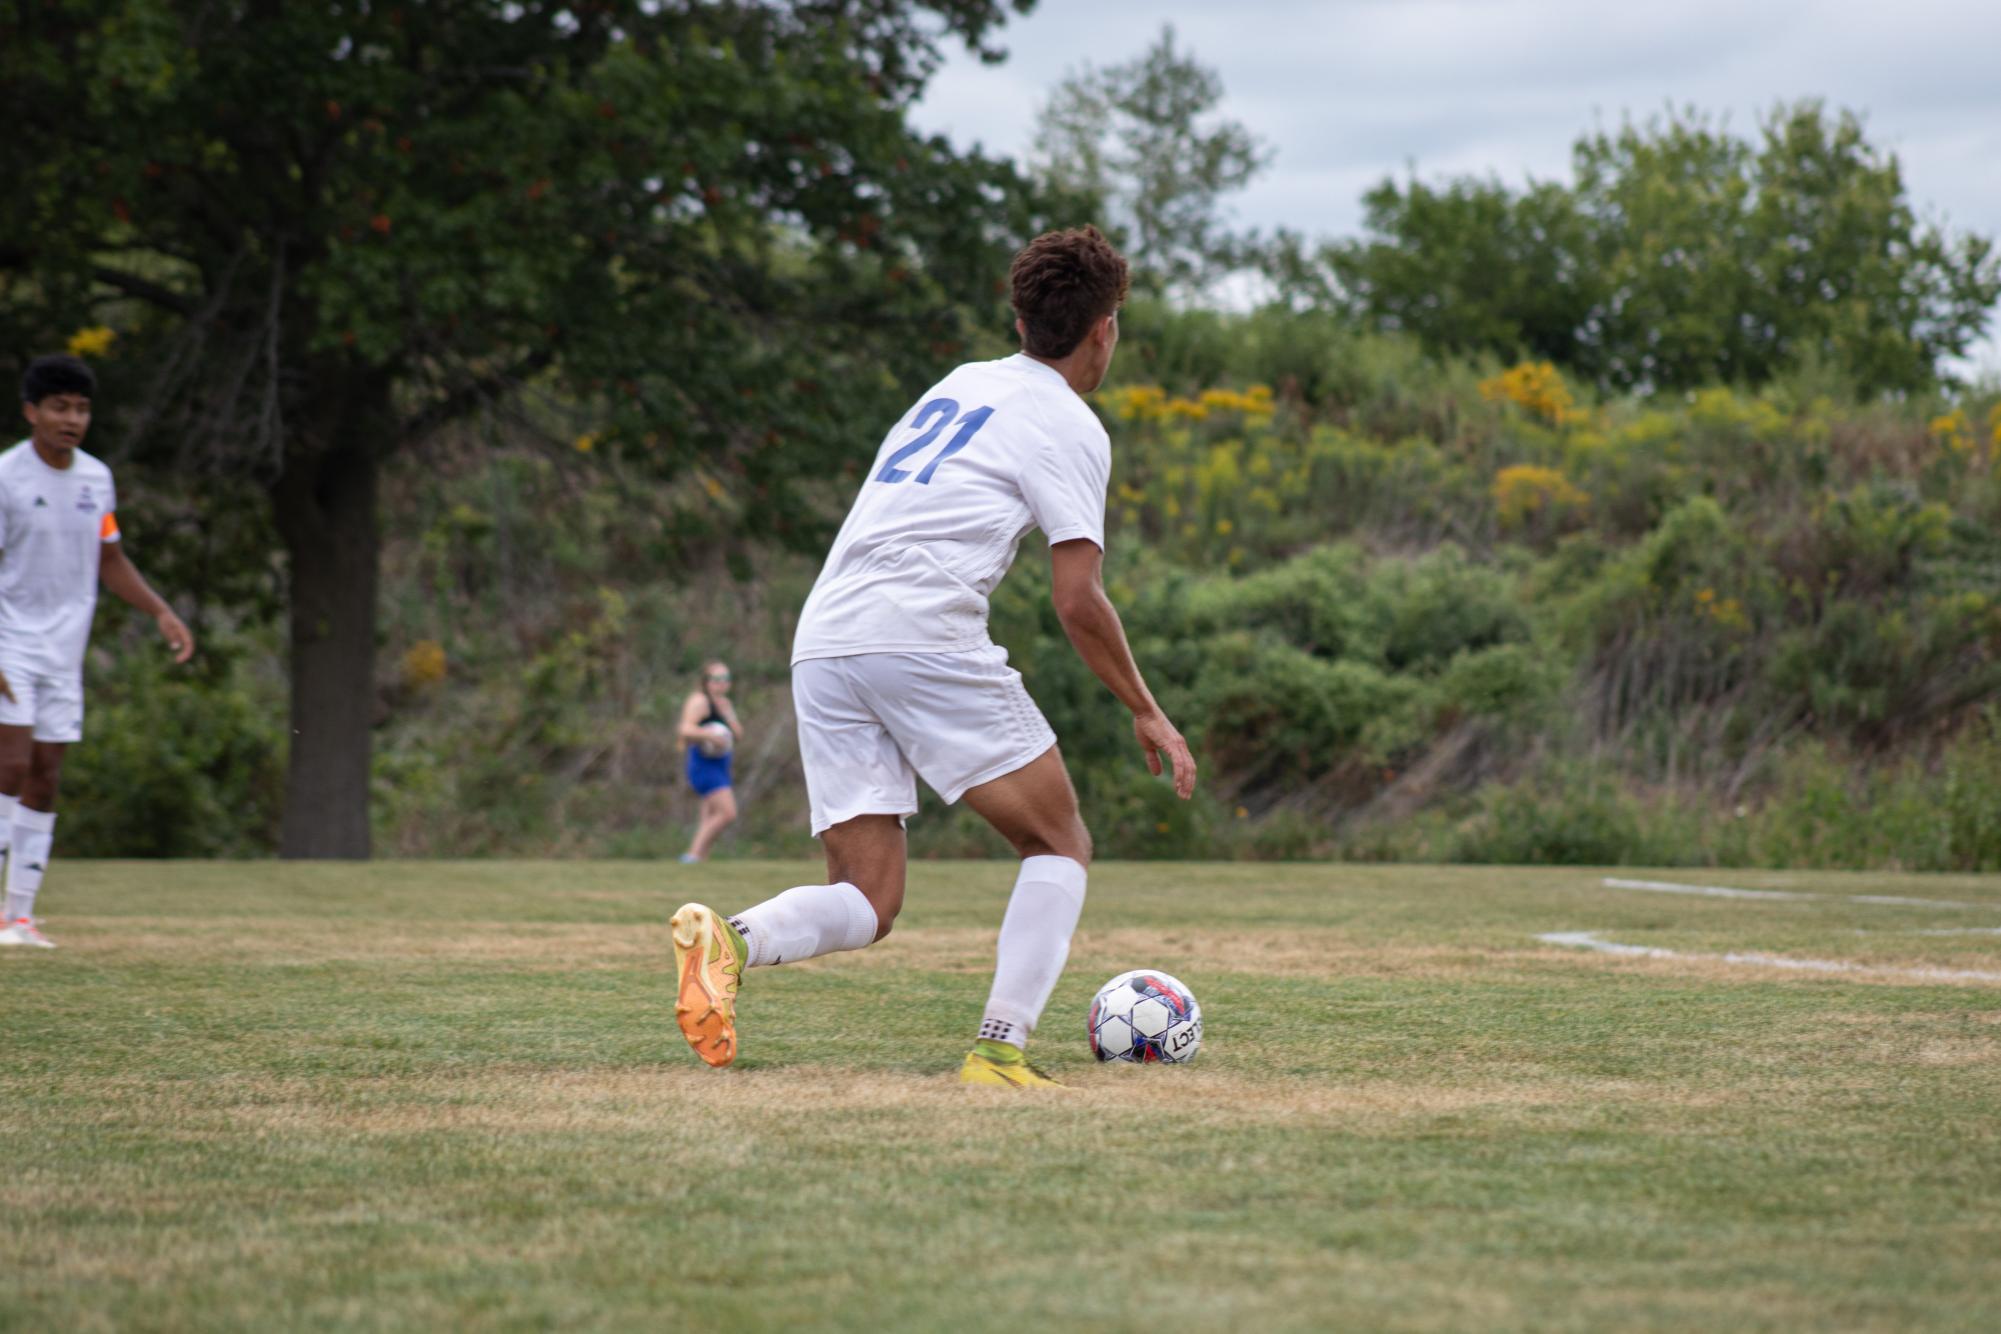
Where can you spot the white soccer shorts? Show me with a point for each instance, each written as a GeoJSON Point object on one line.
{"type": "Point", "coordinates": [872, 724]}
{"type": "Point", "coordinates": [50, 700]}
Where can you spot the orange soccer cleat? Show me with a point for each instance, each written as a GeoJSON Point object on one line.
{"type": "Point", "coordinates": [708, 966]}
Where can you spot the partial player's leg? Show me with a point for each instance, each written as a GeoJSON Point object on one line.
{"type": "Point", "coordinates": [718, 811]}
{"type": "Point", "coordinates": [869, 853]}
{"type": "Point", "coordinates": [968, 726]}
{"type": "Point", "coordinates": [33, 822]}
{"type": "Point", "coordinates": [38, 718]}
{"type": "Point", "coordinates": [1035, 810]}
{"type": "Point", "coordinates": [859, 787]}
{"type": "Point", "coordinates": [17, 741]}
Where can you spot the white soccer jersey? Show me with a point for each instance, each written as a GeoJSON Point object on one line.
{"type": "Point", "coordinates": [53, 524]}
{"type": "Point", "coordinates": [993, 450]}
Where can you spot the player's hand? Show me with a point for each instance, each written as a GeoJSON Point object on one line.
{"type": "Point", "coordinates": [176, 634]}
{"type": "Point", "coordinates": [7, 690]}
{"type": "Point", "coordinates": [1158, 737]}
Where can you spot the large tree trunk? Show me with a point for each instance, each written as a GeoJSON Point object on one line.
{"type": "Point", "coordinates": [325, 510]}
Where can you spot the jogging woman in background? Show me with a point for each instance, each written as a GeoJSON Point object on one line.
{"type": "Point", "coordinates": [708, 772]}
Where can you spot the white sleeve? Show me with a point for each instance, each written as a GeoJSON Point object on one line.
{"type": "Point", "coordinates": [1064, 484]}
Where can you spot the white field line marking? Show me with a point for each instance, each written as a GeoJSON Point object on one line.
{"type": "Point", "coordinates": [1589, 940]}
{"type": "Point", "coordinates": [1720, 892]}
{"type": "Point", "coordinates": [1959, 931]}
{"type": "Point", "coordinates": [1705, 891]}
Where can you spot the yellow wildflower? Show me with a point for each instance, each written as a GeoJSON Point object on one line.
{"type": "Point", "coordinates": [1139, 402]}
{"type": "Point", "coordinates": [586, 442]}
{"type": "Point", "coordinates": [1525, 491]}
{"type": "Point", "coordinates": [1954, 431]}
{"type": "Point", "coordinates": [424, 664]}
{"type": "Point", "coordinates": [1537, 388]}
{"type": "Point", "coordinates": [92, 342]}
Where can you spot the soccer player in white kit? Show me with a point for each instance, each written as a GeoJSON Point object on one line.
{"type": "Point", "coordinates": [58, 537]}
{"type": "Point", "coordinates": [894, 676]}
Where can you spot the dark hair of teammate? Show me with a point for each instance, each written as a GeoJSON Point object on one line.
{"type": "Point", "coordinates": [1063, 283]}
{"type": "Point", "coordinates": [60, 374]}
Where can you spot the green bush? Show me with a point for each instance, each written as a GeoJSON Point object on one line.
{"type": "Point", "coordinates": [1558, 815]}
{"type": "Point", "coordinates": [175, 761]}
{"type": "Point", "coordinates": [1403, 607]}
{"type": "Point", "coordinates": [1943, 815]}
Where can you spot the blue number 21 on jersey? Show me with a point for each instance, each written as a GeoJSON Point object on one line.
{"type": "Point", "coordinates": [938, 413]}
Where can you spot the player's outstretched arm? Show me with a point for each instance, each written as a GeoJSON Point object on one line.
{"type": "Point", "coordinates": [122, 577]}
{"type": "Point", "coordinates": [691, 717]}
{"type": "Point", "coordinates": [1092, 622]}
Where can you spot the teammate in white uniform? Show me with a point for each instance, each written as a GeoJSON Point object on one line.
{"type": "Point", "coordinates": [894, 677]}
{"type": "Point", "coordinates": [58, 537]}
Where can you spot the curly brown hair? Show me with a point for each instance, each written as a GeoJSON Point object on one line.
{"type": "Point", "coordinates": [1063, 283]}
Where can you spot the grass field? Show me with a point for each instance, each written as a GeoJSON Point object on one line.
{"type": "Point", "coordinates": [429, 1096]}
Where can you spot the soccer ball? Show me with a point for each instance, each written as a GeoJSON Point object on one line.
{"type": "Point", "coordinates": [1145, 1015]}
{"type": "Point", "coordinates": [717, 740]}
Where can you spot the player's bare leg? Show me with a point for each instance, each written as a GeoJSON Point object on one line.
{"type": "Point", "coordinates": [1035, 810]}
{"type": "Point", "coordinates": [865, 867]}
{"type": "Point", "coordinates": [33, 770]}
{"type": "Point", "coordinates": [718, 812]}
{"type": "Point", "coordinates": [16, 751]}
{"type": "Point", "coordinates": [870, 853]}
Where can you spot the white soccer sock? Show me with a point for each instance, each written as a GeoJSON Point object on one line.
{"type": "Point", "coordinates": [33, 831]}
{"type": "Point", "coordinates": [1034, 945]}
{"type": "Point", "coordinates": [806, 921]}
{"type": "Point", "coordinates": [8, 805]}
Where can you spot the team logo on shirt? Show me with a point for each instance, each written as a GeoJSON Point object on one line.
{"type": "Point", "coordinates": [41, 504]}
{"type": "Point", "coordinates": [85, 503]}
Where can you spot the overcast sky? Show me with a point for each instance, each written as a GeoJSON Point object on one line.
{"type": "Point", "coordinates": [1347, 91]}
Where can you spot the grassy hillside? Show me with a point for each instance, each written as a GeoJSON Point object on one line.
{"type": "Point", "coordinates": [1408, 609]}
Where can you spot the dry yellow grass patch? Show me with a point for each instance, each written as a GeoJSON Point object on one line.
{"type": "Point", "coordinates": [306, 941]}
{"type": "Point", "coordinates": [1912, 1040]}
{"type": "Point", "coordinates": [569, 947]}
{"type": "Point", "coordinates": [1188, 954]}
{"type": "Point", "coordinates": [927, 1107]}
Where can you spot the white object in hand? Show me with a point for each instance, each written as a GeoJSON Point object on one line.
{"type": "Point", "coordinates": [717, 740]}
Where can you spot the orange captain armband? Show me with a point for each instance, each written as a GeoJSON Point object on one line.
{"type": "Point", "coordinates": [107, 528]}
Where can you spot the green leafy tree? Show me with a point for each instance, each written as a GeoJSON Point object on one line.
{"type": "Point", "coordinates": [1471, 266]}
{"type": "Point", "coordinates": [1143, 139]}
{"type": "Point", "coordinates": [325, 232]}
{"type": "Point", "coordinates": [1680, 255]}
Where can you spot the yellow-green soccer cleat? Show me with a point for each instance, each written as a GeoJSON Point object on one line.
{"type": "Point", "coordinates": [708, 967]}
{"type": "Point", "coordinates": [1017, 1073]}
